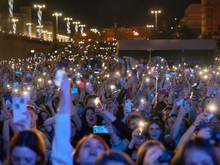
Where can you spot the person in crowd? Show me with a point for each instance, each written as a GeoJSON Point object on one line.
{"type": "Point", "coordinates": [113, 157]}
{"type": "Point", "coordinates": [27, 147]}
{"type": "Point", "coordinates": [150, 153]}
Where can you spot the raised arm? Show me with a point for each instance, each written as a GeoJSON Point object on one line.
{"type": "Point", "coordinates": [61, 147]}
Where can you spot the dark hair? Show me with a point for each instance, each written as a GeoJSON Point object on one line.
{"type": "Point", "coordinates": [32, 140]}
{"type": "Point", "coordinates": [40, 120]}
{"type": "Point", "coordinates": [145, 147]}
{"type": "Point", "coordinates": [155, 122]}
{"type": "Point", "coordinates": [131, 117]}
{"type": "Point", "coordinates": [79, 145]}
{"type": "Point", "coordinates": [89, 97]}
{"type": "Point", "coordinates": [99, 118]}
{"type": "Point", "coordinates": [115, 156]}
{"type": "Point", "coordinates": [159, 107]}
{"type": "Point", "coordinates": [166, 120]}
{"type": "Point", "coordinates": [32, 108]}
{"type": "Point", "coordinates": [168, 107]}
{"type": "Point", "coordinates": [197, 143]}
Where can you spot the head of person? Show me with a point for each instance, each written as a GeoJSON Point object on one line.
{"type": "Point", "coordinates": [170, 120]}
{"type": "Point", "coordinates": [133, 121]}
{"type": "Point", "coordinates": [158, 108]}
{"type": "Point", "coordinates": [90, 101]}
{"type": "Point", "coordinates": [214, 124]}
{"type": "Point", "coordinates": [114, 157]}
{"type": "Point", "coordinates": [33, 116]}
{"type": "Point", "coordinates": [166, 111]}
{"type": "Point", "coordinates": [202, 91]}
{"type": "Point", "coordinates": [154, 129]}
{"type": "Point", "coordinates": [89, 116]}
{"type": "Point", "coordinates": [81, 108]}
{"type": "Point", "coordinates": [146, 149]}
{"type": "Point", "coordinates": [88, 149]}
{"type": "Point", "coordinates": [43, 116]}
{"type": "Point", "coordinates": [27, 147]}
{"type": "Point", "coordinates": [196, 151]}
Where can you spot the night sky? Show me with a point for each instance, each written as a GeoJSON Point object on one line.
{"type": "Point", "coordinates": [101, 13]}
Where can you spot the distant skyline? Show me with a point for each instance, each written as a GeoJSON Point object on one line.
{"type": "Point", "coordinates": [102, 13]}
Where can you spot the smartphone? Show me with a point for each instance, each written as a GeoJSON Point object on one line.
{"type": "Point", "coordinates": [80, 83]}
{"type": "Point", "coordinates": [98, 103]}
{"type": "Point", "coordinates": [48, 97]}
{"type": "Point", "coordinates": [90, 76]}
{"type": "Point", "coordinates": [89, 86]}
{"type": "Point", "coordinates": [142, 128]}
{"type": "Point", "coordinates": [25, 83]}
{"type": "Point", "coordinates": [173, 73]}
{"type": "Point", "coordinates": [27, 95]}
{"type": "Point", "coordinates": [127, 105]}
{"type": "Point", "coordinates": [17, 72]}
{"type": "Point", "coordinates": [152, 95]}
{"type": "Point", "coordinates": [100, 129]}
{"type": "Point", "coordinates": [122, 80]}
{"type": "Point", "coordinates": [168, 75]}
{"type": "Point", "coordinates": [74, 90]}
{"type": "Point", "coordinates": [113, 88]}
{"type": "Point", "coordinates": [143, 100]}
{"type": "Point", "coordinates": [196, 94]}
{"type": "Point", "coordinates": [178, 103]}
{"type": "Point", "coordinates": [19, 107]}
{"type": "Point", "coordinates": [28, 75]}
{"type": "Point", "coordinates": [96, 72]}
{"type": "Point", "coordinates": [210, 116]}
{"type": "Point", "coordinates": [61, 71]}
{"type": "Point", "coordinates": [163, 92]}
{"type": "Point", "coordinates": [16, 84]}
{"type": "Point", "coordinates": [8, 99]}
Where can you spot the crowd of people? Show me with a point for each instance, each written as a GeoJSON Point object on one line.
{"type": "Point", "coordinates": [108, 111]}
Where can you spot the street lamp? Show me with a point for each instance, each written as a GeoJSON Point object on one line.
{"type": "Point", "coordinates": [76, 26]}
{"type": "Point", "coordinates": [49, 36]}
{"type": "Point", "coordinates": [56, 15]}
{"type": "Point", "coordinates": [155, 12]}
{"type": "Point", "coordinates": [39, 15]}
{"type": "Point", "coordinates": [29, 29]}
{"type": "Point", "coordinates": [150, 26]}
{"type": "Point", "coordinates": [94, 30]}
{"type": "Point", "coordinates": [82, 28]}
{"type": "Point", "coordinates": [14, 25]}
{"type": "Point", "coordinates": [68, 24]}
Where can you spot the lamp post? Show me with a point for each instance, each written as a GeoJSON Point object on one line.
{"type": "Point", "coordinates": [56, 15]}
{"type": "Point", "coordinates": [49, 36]}
{"type": "Point", "coordinates": [94, 30]}
{"type": "Point", "coordinates": [76, 26]}
{"type": "Point", "coordinates": [10, 8]}
{"type": "Point", "coordinates": [29, 29]}
{"type": "Point", "coordinates": [68, 25]}
{"type": "Point", "coordinates": [155, 12]}
{"type": "Point", "coordinates": [14, 25]}
{"type": "Point", "coordinates": [39, 15]}
{"type": "Point", "coordinates": [82, 28]}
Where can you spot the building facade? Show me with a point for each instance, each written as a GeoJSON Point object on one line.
{"type": "Point", "coordinates": [192, 19]}
{"type": "Point", "coordinates": [210, 16]}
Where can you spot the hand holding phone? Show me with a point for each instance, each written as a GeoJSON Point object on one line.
{"type": "Point", "coordinates": [100, 129]}
{"type": "Point", "coordinates": [127, 107]}
{"type": "Point", "coordinates": [98, 104]}
{"type": "Point", "coordinates": [19, 109]}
